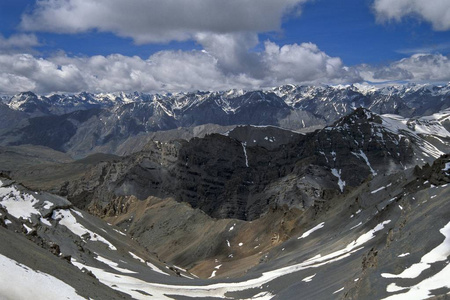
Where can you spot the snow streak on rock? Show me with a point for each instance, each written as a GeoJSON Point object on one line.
{"type": "Point", "coordinates": [337, 174]}
{"type": "Point", "coordinates": [245, 154]}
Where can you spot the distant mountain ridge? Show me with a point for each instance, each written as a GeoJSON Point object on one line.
{"type": "Point", "coordinates": [406, 100]}
{"type": "Point", "coordinates": [87, 123]}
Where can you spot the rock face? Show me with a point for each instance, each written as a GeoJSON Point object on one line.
{"type": "Point", "coordinates": [438, 173]}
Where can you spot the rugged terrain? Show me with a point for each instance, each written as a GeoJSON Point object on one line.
{"type": "Point", "coordinates": [356, 208]}
{"type": "Point", "coordinates": [373, 242]}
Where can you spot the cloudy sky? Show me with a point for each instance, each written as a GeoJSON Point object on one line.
{"type": "Point", "coordinates": [70, 46]}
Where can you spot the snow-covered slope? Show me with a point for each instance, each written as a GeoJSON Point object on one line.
{"type": "Point", "coordinates": [70, 234]}
{"type": "Point", "coordinates": [429, 133]}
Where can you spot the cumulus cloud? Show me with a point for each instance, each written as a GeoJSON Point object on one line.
{"type": "Point", "coordinates": [426, 67]}
{"type": "Point", "coordinates": [173, 70]}
{"type": "Point", "coordinates": [18, 43]}
{"type": "Point", "coordinates": [304, 63]}
{"type": "Point", "coordinates": [148, 21]}
{"type": "Point", "coordinates": [417, 68]}
{"type": "Point", "coordinates": [163, 71]}
{"type": "Point", "coordinates": [19, 72]}
{"type": "Point", "coordinates": [232, 51]}
{"type": "Point", "coordinates": [437, 12]}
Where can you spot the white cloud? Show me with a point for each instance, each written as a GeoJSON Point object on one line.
{"type": "Point", "coordinates": [437, 12]}
{"type": "Point", "coordinates": [21, 72]}
{"type": "Point", "coordinates": [202, 70]}
{"type": "Point", "coordinates": [227, 31]}
{"type": "Point", "coordinates": [433, 48]}
{"type": "Point", "coordinates": [426, 67]}
{"type": "Point", "coordinates": [304, 63]}
{"type": "Point", "coordinates": [174, 70]}
{"type": "Point", "coordinates": [416, 68]}
{"type": "Point", "coordinates": [232, 51]}
{"type": "Point", "coordinates": [163, 71]}
{"type": "Point", "coordinates": [148, 21]}
{"type": "Point", "coordinates": [18, 43]}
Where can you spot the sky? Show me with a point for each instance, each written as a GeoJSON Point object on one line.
{"type": "Point", "coordinates": [69, 46]}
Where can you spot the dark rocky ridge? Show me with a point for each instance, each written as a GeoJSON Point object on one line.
{"type": "Point", "coordinates": [227, 179]}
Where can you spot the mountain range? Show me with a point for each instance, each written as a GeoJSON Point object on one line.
{"type": "Point", "coordinates": [296, 192]}
{"type": "Point", "coordinates": [121, 123]}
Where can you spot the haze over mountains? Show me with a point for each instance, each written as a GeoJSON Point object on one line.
{"type": "Point", "coordinates": [298, 192]}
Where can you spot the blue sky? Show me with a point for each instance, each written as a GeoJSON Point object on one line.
{"type": "Point", "coordinates": [168, 45]}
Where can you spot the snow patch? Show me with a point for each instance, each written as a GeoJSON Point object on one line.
{"type": "Point", "coordinates": [423, 289]}
{"type": "Point", "coordinates": [19, 205]}
{"type": "Point", "coordinates": [307, 233]}
{"type": "Point", "coordinates": [137, 257]}
{"type": "Point", "coordinates": [28, 229]}
{"type": "Point", "coordinates": [357, 225]}
{"type": "Point", "coordinates": [213, 274]}
{"type": "Point", "coordinates": [447, 167]}
{"type": "Point", "coordinates": [119, 232]}
{"type": "Point", "coordinates": [309, 278]}
{"type": "Point", "coordinates": [69, 221]}
{"type": "Point", "coordinates": [47, 205]}
{"type": "Point", "coordinates": [25, 283]}
{"type": "Point", "coordinates": [113, 265]}
{"type": "Point", "coordinates": [377, 190]}
{"type": "Point", "coordinates": [262, 296]}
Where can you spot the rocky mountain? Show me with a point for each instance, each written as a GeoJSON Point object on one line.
{"type": "Point", "coordinates": [83, 124]}
{"type": "Point", "coordinates": [244, 173]}
{"type": "Point", "coordinates": [327, 102]}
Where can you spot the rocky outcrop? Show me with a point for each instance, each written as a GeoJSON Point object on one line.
{"type": "Point", "coordinates": [438, 173]}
